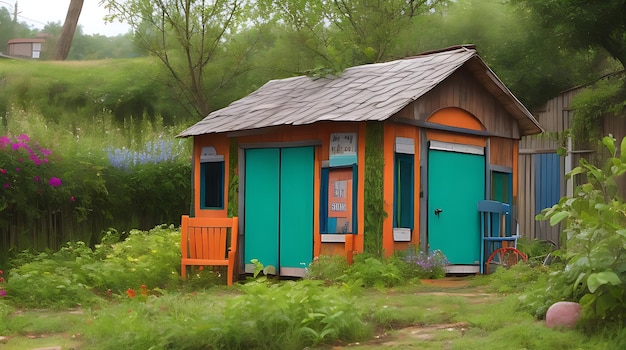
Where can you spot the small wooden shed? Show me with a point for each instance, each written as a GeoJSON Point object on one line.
{"type": "Point", "coordinates": [25, 48]}
{"type": "Point", "coordinates": [437, 132]}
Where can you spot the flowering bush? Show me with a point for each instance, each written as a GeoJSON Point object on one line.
{"type": "Point", "coordinates": [3, 292]}
{"type": "Point", "coordinates": [153, 153]}
{"type": "Point", "coordinates": [25, 175]}
{"type": "Point", "coordinates": [427, 265]}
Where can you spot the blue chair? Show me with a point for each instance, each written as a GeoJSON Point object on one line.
{"type": "Point", "coordinates": [495, 238]}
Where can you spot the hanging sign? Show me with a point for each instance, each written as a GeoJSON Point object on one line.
{"type": "Point", "coordinates": [343, 148]}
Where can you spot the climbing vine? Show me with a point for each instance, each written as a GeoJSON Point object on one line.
{"type": "Point", "coordinates": [374, 202]}
{"type": "Point", "coordinates": [607, 96]}
{"type": "Point", "coordinates": [233, 176]}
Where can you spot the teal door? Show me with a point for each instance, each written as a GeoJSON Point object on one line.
{"type": "Point", "coordinates": [278, 227]}
{"type": "Point", "coordinates": [456, 183]}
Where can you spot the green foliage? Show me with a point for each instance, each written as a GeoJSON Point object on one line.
{"type": "Point", "coordinates": [233, 187]}
{"type": "Point", "coordinates": [372, 271]}
{"type": "Point", "coordinates": [297, 314]}
{"type": "Point", "coordinates": [604, 97]}
{"type": "Point", "coordinates": [329, 268]}
{"type": "Point", "coordinates": [595, 270]}
{"type": "Point", "coordinates": [536, 250]}
{"type": "Point", "coordinates": [28, 182]}
{"type": "Point", "coordinates": [518, 278]}
{"type": "Point", "coordinates": [375, 213]}
{"type": "Point", "coordinates": [144, 258]}
{"type": "Point", "coordinates": [107, 179]}
{"type": "Point", "coordinates": [69, 277]}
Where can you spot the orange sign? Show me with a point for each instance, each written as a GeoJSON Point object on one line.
{"type": "Point", "coordinates": [340, 199]}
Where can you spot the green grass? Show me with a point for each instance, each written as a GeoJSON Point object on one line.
{"type": "Point", "coordinates": [417, 316]}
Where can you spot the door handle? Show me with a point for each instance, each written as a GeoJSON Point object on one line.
{"type": "Point", "coordinates": [438, 211]}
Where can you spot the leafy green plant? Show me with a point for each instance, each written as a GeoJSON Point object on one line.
{"type": "Point", "coordinates": [375, 212]}
{"type": "Point", "coordinates": [595, 263]}
{"type": "Point", "coordinates": [145, 261]}
{"type": "Point", "coordinates": [371, 271]}
{"type": "Point", "coordinates": [297, 314]}
{"type": "Point", "coordinates": [329, 268]}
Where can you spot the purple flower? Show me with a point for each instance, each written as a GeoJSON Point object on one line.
{"type": "Point", "coordinates": [55, 182]}
{"type": "Point", "coordinates": [24, 138]}
{"type": "Point", "coordinates": [36, 178]}
{"type": "Point", "coordinates": [2, 293]}
{"type": "Point", "coordinates": [17, 170]}
{"type": "Point", "coordinates": [45, 152]}
{"type": "Point", "coordinates": [6, 185]}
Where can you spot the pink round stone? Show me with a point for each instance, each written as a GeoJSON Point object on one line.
{"type": "Point", "coordinates": [563, 314]}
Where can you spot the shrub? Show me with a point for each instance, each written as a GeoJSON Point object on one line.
{"type": "Point", "coordinates": [594, 272]}
{"type": "Point", "coordinates": [329, 268]}
{"type": "Point", "coordinates": [296, 314]}
{"type": "Point", "coordinates": [69, 277]}
{"type": "Point", "coordinates": [371, 271]}
{"type": "Point", "coordinates": [28, 185]}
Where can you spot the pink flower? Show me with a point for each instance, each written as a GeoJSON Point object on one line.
{"type": "Point", "coordinates": [3, 171]}
{"type": "Point", "coordinates": [6, 185]}
{"type": "Point", "coordinates": [17, 170]}
{"type": "Point", "coordinates": [36, 178]}
{"type": "Point", "coordinates": [23, 138]}
{"type": "Point", "coordinates": [55, 182]}
{"type": "Point", "coordinates": [2, 293]}
{"type": "Point", "coordinates": [45, 152]}
{"type": "Point", "coordinates": [4, 141]}
{"type": "Point", "coordinates": [72, 198]}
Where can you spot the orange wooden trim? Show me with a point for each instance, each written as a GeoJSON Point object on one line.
{"type": "Point", "coordinates": [457, 117]}
{"type": "Point", "coordinates": [349, 249]}
{"type": "Point", "coordinates": [222, 147]}
{"type": "Point", "coordinates": [205, 262]}
{"type": "Point", "coordinates": [388, 184]}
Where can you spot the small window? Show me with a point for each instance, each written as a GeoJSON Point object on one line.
{"type": "Point", "coordinates": [211, 179]}
{"type": "Point", "coordinates": [404, 183]}
{"type": "Point", "coordinates": [404, 190]}
{"type": "Point", "coordinates": [338, 200]}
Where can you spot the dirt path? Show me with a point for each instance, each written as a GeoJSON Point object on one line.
{"type": "Point", "coordinates": [416, 336]}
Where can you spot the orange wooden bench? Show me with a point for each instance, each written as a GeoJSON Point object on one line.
{"type": "Point", "coordinates": [209, 242]}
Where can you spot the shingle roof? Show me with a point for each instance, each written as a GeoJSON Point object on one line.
{"type": "Point", "coordinates": [372, 92]}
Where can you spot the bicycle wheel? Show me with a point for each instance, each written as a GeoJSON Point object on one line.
{"type": "Point", "coordinates": [506, 257]}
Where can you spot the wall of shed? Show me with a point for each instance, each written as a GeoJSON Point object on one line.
{"type": "Point", "coordinates": [463, 91]}
{"type": "Point", "coordinates": [272, 137]}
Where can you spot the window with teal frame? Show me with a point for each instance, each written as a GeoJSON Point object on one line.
{"type": "Point", "coordinates": [329, 223]}
{"type": "Point", "coordinates": [404, 191]}
{"type": "Point", "coordinates": [502, 191]}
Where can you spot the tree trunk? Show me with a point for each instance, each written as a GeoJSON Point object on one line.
{"type": "Point", "coordinates": [69, 27]}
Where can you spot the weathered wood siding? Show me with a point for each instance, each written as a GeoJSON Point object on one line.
{"type": "Point", "coordinates": [556, 116]}
{"type": "Point", "coordinates": [463, 91]}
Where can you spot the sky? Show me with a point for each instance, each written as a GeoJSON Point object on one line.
{"type": "Point", "coordinates": [37, 13]}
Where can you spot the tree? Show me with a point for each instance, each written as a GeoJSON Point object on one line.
{"type": "Point", "coordinates": [64, 44]}
{"type": "Point", "coordinates": [346, 33]}
{"type": "Point", "coordinates": [190, 38]}
{"type": "Point", "coordinates": [583, 24]}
